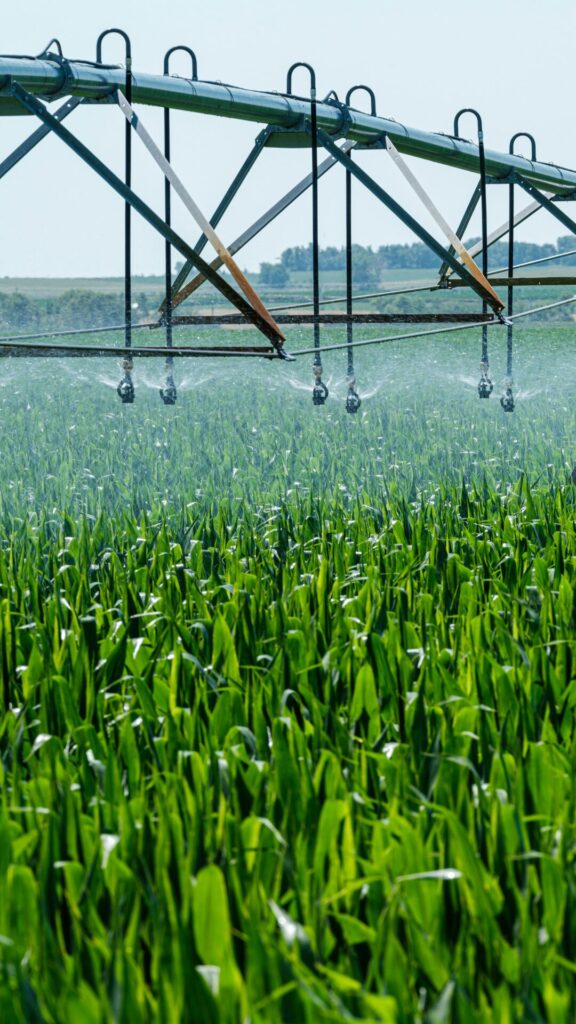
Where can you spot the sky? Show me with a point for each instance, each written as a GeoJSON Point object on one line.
{"type": "Point", "coordinates": [511, 59]}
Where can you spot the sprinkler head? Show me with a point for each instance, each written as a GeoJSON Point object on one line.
{"type": "Point", "coordinates": [507, 400]}
{"type": "Point", "coordinates": [353, 400]}
{"type": "Point", "coordinates": [485, 387]}
{"type": "Point", "coordinates": [168, 392]}
{"type": "Point", "coordinates": [319, 393]}
{"type": "Point", "coordinates": [125, 390]}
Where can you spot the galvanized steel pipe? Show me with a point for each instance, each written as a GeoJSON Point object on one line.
{"type": "Point", "coordinates": [50, 79]}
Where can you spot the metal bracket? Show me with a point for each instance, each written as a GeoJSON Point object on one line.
{"type": "Point", "coordinates": [64, 65]}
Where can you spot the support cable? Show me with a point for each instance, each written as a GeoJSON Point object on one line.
{"type": "Point", "coordinates": [438, 330]}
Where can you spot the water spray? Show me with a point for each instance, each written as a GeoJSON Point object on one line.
{"type": "Point", "coordinates": [507, 398]}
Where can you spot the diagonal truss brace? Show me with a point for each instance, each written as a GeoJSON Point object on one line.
{"type": "Point", "coordinates": [270, 215]}
{"type": "Point", "coordinates": [502, 231]}
{"type": "Point", "coordinates": [466, 218]}
{"type": "Point", "coordinates": [34, 106]}
{"type": "Point", "coordinates": [32, 141]}
{"type": "Point", "coordinates": [442, 223]}
{"type": "Point", "coordinates": [220, 210]}
{"type": "Point", "coordinates": [410, 221]}
{"type": "Point", "coordinates": [546, 204]}
{"type": "Point", "coordinates": [257, 305]}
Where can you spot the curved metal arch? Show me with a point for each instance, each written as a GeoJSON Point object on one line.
{"type": "Point", "coordinates": [292, 69]}
{"type": "Point", "coordinates": [183, 49]}
{"type": "Point", "coordinates": [363, 88]}
{"type": "Point", "coordinates": [523, 135]}
{"type": "Point", "coordinates": [117, 32]}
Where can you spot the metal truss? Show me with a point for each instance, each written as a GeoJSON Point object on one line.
{"type": "Point", "coordinates": [335, 127]}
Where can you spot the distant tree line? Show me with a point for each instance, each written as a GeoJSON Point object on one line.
{"type": "Point", "coordinates": [73, 309]}
{"type": "Point", "coordinates": [368, 263]}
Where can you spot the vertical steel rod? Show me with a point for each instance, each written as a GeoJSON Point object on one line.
{"type": "Point", "coordinates": [510, 327]}
{"type": "Point", "coordinates": [315, 237]}
{"type": "Point", "coordinates": [127, 180]}
{"type": "Point", "coordinates": [353, 401]}
{"type": "Point", "coordinates": [167, 246]}
{"type": "Point", "coordinates": [349, 307]}
{"type": "Point", "coordinates": [319, 391]}
{"type": "Point", "coordinates": [167, 190]}
{"type": "Point", "coordinates": [484, 215]}
{"type": "Point", "coordinates": [128, 215]}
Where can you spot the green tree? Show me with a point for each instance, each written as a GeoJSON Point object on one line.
{"type": "Point", "coordinates": [274, 274]}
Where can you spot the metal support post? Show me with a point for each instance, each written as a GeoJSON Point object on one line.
{"type": "Point", "coordinates": [485, 385]}
{"type": "Point", "coordinates": [168, 392]}
{"type": "Point", "coordinates": [127, 180]}
{"type": "Point", "coordinates": [353, 400]}
{"type": "Point", "coordinates": [507, 399]}
{"type": "Point", "coordinates": [244, 307]}
{"type": "Point", "coordinates": [167, 192]}
{"type": "Point", "coordinates": [320, 391]}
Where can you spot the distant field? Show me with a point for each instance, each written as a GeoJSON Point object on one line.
{"type": "Point", "coordinates": [50, 287]}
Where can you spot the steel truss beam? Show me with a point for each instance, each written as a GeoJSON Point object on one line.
{"type": "Point", "coordinates": [546, 203]}
{"type": "Point", "coordinates": [32, 141]}
{"type": "Point", "coordinates": [271, 214]}
{"type": "Point", "coordinates": [21, 350]}
{"type": "Point", "coordinates": [307, 319]}
{"type": "Point", "coordinates": [254, 300]}
{"type": "Point", "coordinates": [220, 210]}
{"type": "Point", "coordinates": [524, 282]}
{"type": "Point", "coordinates": [407, 219]}
{"type": "Point", "coordinates": [35, 107]}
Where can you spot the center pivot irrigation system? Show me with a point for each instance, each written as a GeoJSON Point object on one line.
{"type": "Point", "coordinates": [28, 84]}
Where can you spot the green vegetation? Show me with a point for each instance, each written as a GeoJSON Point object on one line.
{"type": "Point", "coordinates": [288, 702]}
{"type": "Point", "coordinates": [416, 255]}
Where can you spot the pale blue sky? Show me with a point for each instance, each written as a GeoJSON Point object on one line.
{"type": "Point", "coordinates": [513, 59]}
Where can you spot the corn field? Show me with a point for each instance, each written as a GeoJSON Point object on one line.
{"type": "Point", "coordinates": [288, 714]}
